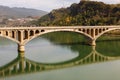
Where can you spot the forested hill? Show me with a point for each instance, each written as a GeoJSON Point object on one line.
{"type": "Point", "coordinates": [84, 13]}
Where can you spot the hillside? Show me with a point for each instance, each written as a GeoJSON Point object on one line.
{"type": "Point", "coordinates": [7, 12]}
{"type": "Point", "coordinates": [83, 13]}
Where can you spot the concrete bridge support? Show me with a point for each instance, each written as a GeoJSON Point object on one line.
{"type": "Point", "coordinates": [21, 48]}
{"type": "Point", "coordinates": [21, 54]}
{"type": "Point", "coordinates": [91, 42]}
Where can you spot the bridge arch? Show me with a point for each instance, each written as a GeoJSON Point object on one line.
{"type": "Point", "coordinates": [37, 33]}
{"type": "Point", "coordinates": [106, 32]}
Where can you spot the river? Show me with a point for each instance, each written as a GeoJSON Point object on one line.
{"type": "Point", "coordinates": [61, 56]}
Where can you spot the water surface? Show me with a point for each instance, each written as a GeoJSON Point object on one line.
{"type": "Point", "coordinates": [66, 57]}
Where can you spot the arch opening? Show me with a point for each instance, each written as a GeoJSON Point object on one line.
{"type": "Point", "coordinates": [8, 49]}
{"type": "Point", "coordinates": [13, 34]}
{"type": "Point", "coordinates": [37, 32]}
{"type": "Point", "coordinates": [66, 37]}
{"type": "Point", "coordinates": [42, 30]}
{"type": "Point", "coordinates": [6, 33]}
{"type": "Point", "coordinates": [109, 42]}
{"type": "Point", "coordinates": [31, 32]}
{"type": "Point", "coordinates": [72, 41]}
{"type": "Point", "coordinates": [88, 31]}
{"type": "Point", "coordinates": [19, 36]}
{"type": "Point", "coordinates": [26, 34]}
{"type": "Point", "coordinates": [88, 37]}
{"type": "Point", "coordinates": [108, 33]}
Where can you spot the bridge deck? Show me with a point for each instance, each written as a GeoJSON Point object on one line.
{"type": "Point", "coordinates": [57, 27]}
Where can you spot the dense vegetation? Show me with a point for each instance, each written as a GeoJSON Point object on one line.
{"type": "Point", "coordinates": [84, 13]}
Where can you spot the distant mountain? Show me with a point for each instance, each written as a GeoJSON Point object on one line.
{"type": "Point", "coordinates": [84, 13]}
{"type": "Point", "coordinates": [19, 12]}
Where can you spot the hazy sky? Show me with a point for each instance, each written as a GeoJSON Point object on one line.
{"type": "Point", "coordinates": [46, 5]}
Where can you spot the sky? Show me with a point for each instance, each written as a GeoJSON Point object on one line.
{"type": "Point", "coordinates": [46, 5]}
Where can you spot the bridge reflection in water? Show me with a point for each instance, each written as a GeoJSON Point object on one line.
{"type": "Point", "coordinates": [21, 65]}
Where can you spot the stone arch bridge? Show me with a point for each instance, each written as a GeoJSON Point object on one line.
{"type": "Point", "coordinates": [22, 35]}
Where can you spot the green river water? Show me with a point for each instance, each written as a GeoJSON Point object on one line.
{"type": "Point", "coordinates": [61, 56]}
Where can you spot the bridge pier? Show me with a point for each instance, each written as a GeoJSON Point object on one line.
{"type": "Point", "coordinates": [21, 48]}
{"type": "Point", "coordinates": [92, 42]}
{"type": "Point", "coordinates": [21, 54]}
